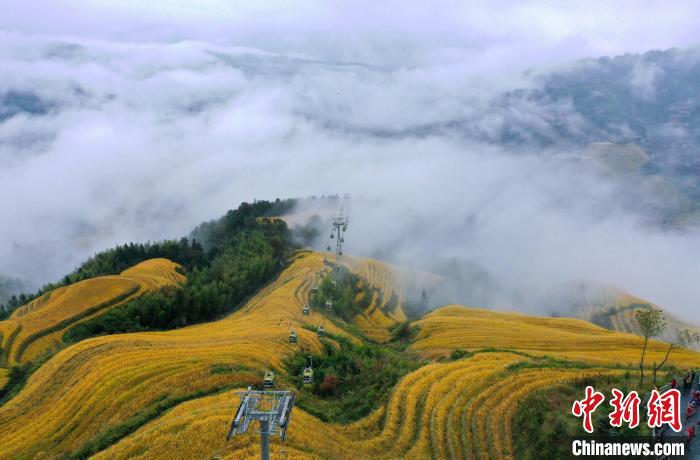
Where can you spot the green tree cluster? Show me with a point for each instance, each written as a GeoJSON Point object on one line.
{"type": "Point", "coordinates": [350, 380]}
{"type": "Point", "coordinates": [244, 250]}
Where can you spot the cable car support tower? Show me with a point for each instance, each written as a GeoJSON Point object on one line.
{"type": "Point", "coordinates": [272, 410]}
{"type": "Point", "coordinates": [339, 226]}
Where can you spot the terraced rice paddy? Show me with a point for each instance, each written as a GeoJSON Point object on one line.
{"type": "Point", "coordinates": [4, 377]}
{"type": "Point", "coordinates": [389, 297]}
{"type": "Point", "coordinates": [456, 327]}
{"type": "Point", "coordinates": [110, 381]}
{"type": "Point", "coordinates": [38, 326]}
{"type": "Point", "coordinates": [616, 311]}
{"type": "Point", "coordinates": [170, 394]}
{"type": "Point", "coordinates": [460, 409]}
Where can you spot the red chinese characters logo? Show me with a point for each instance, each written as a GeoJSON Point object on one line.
{"type": "Point", "coordinates": [665, 408]}
{"type": "Point", "coordinates": [587, 406]}
{"type": "Point", "coordinates": [662, 408]}
{"type": "Point", "coordinates": [625, 409]}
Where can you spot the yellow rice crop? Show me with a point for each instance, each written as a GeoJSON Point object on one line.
{"type": "Point", "coordinates": [455, 409]}
{"type": "Point", "coordinates": [66, 303]}
{"type": "Point", "coordinates": [105, 381]}
{"type": "Point", "coordinates": [155, 273]}
{"type": "Point", "coordinates": [40, 324]}
{"type": "Point", "coordinates": [425, 418]}
{"type": "Point", "coordinates": [3, 377]}
{"type": "Point", "coordinates": [372, 330]}
{"type": "Point", "coordinates": [379, 317]}
{"type": "Point", "coordinates": [494, 409]}
{"type": "Point", "coordinates": [457, 327]}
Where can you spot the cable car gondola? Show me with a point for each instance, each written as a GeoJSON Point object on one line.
{"type": "Point", "coordinates": [308, 373]}
{"type": "Point", "coordinates": [269, 380]}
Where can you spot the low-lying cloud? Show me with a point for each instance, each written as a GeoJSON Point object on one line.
{"type": "Point", "coordinates": [105, 140]}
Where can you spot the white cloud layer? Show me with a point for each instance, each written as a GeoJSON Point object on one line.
{"type": "Point", "coordinates": [149, 117]}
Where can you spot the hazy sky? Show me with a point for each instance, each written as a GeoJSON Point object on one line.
{"type": "Point", "coordinates": [125, 120]}
{"type": "Point", "coordinates": [493, 33]}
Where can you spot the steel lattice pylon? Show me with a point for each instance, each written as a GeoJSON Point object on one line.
{"type": "Point", "coordinates": [272, 410]}
{"type": "Point", "coordinates": [339, 225]}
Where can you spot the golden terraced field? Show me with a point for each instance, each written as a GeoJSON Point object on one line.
{"type": "Point", "coordinates": [447, 409]}
{"type": "Point", "coordinates": [457, 327]}
{"type": "Point", "coordinates": [460, 409]}
{"type": "Point", "coordinates": [386, 307]}
{"type": "Point", "coordinates": [107, 381]}
{"type": "Point", "coordinates": [3, 377]}
{"type": "Point", "coordinates": [38, 326]}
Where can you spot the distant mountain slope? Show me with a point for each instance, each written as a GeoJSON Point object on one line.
{"type": "Point", "coordinates": [38, 326]}
{"type": "Point", "coordinates": [650, 99]}
{"type": "Point", "coordinates": [615, 310]}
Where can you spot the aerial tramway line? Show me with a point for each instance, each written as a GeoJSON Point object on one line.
{"type": "Point", "coordinates": [272, 409]}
